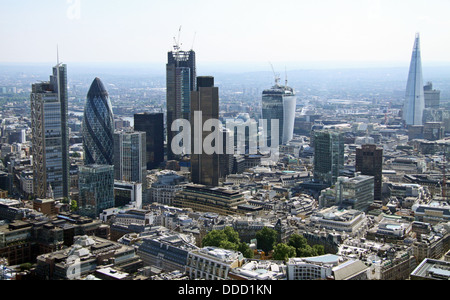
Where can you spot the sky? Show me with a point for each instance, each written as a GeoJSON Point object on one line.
{"type": "Point", "coordinates": [252, 31]}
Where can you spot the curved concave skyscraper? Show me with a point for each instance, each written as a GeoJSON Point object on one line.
{"type": "Point", "coordinates": [415, 99]}
{"type": "Point", "coordinates": [279, 103]}
{"type": "Point", "coordinates": [98, 126]}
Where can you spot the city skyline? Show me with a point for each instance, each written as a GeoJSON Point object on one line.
{"type": "Point", "coordinates": [347, 31]}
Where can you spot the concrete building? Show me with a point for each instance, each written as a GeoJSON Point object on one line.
{"type": "Point", "coordinates": [326, 267]}
{"type": "Point", "coordinates": [356, 192]}
{"type": "Point", "coordinates": [84, 257]}
{"type": "Point", "coordinates": [212, 263]}
{"type": "Point", "coordinates": [353, 222]}
{"type": "Point", "coordinates": [432, 269]}
{"type": "Point", "coordinates": [201, 198]}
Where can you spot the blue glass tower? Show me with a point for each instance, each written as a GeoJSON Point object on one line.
{"type": "Point", "coordinates": [98, 126]}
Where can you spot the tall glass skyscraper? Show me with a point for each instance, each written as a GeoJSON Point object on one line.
{"type": "Point", "coordinates": [328, 155]}
{"type": "Point", "coordinates": [279, 103]}
{"type": "Point", "coordinates": [130, 159]}
{"type": "Point", "coordinates": [98, 126]}
{"type": "Point", "coordinates": [49, 125]}
{"type": "Point", "coordinates": [181, 81]}
{"type": "Point", "coordinates": [415, 99]}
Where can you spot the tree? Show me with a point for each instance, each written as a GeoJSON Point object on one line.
{"type": "Point", "coordinates": [283, 252]}
{"type": "Point", "coordinates": [73, 205]}
{"type": "Point", "coordinates": [245, 250]}
{"type": "Point", "coordinates": [227, 239]}
{"type": "Point", "coordinates": [266, 238]}
{"type": "Point", "coordinates": [302, 248]}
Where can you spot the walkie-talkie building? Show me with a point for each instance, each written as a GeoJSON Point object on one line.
{"type": "Point", "coordinates": [98, 126]}
{"type": "Point", "coordinates": [279, 103]}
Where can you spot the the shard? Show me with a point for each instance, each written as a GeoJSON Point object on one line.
{"type": "Point", "coordinates": [98, 126]}
{"type": "Point", "coordinates": [415, 100]}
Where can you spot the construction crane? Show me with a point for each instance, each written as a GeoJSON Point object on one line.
{"type": "Point", "coordinates": [276, 76]}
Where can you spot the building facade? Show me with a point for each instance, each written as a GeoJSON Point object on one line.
{"type": "Point", "coordinates": [279, 103]}
{"type": "Point", "coordinates": [328, 155]}
{"type": "Point", "coordinates": [98, 126]}
{"type": "Point", "coordinates": [153, 125]}
{"type": "Point", "coordinates": [130, 157]}
{"type": "Point", "coordinates": [180, 82]}
{"type": "Point", "coordinates": [204, 102]}
{"type": "Point", "coordinates": [415, 99]}
{"type": "Point", "coordinates": [96, 189]}
{"type": "Point", "coordinates": [50, 135]}
{"type": "Point", "coordinates": [369, 161]}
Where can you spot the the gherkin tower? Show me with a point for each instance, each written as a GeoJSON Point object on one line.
{"type": "Point", "coordinates": [98, 126]}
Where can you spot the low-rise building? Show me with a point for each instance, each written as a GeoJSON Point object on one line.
{"type": "Point", "coordinates": [326, 267]}
{"type": "Point", "coordinates": [212, 263]}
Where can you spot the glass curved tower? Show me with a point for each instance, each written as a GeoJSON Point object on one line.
{"type": "Point", "coordinates": [280, 103]}
{"type": "Point", "coordinates": [98, 126]}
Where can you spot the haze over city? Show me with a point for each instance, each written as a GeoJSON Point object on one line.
{"type": "Point", "coordinates": [190, 142]}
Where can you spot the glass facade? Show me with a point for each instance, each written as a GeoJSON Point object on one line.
{"type": "Point", "coordinates": [50, 136]}
{"type": "Point", "coordinates": [279, 103]}
{"type": "Point", "coordinates": [415, 99]}
{"type": "Point", "coordinates": [328, 156]}
{"type": "Point", "coordinates": [96, 189]}
{"type": "Point", "coordinates": [130, 157]}
{"type": "Point", "coordinates": [98, 126]}
{"type": "Point", "coordinates": [180, 81]}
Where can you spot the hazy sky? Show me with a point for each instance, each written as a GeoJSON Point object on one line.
{"type": "Point", "coordinates": [225, 31]}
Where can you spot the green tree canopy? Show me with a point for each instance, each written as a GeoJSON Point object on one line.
{"type": "Point", "coordinates": [266, 238]}
{"type": "Point", "coordinates": [227, 239]}
{"type": "Point", "coordinates": [283, 252]}
{"type": "Point", "coordinates": [303, 249]}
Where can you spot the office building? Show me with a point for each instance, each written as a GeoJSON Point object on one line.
{"type": "Point", "coordinates": [328, 155]}
{"type": "Point", "coordinates": [166, 186]}
{"type": "Point", "coordinates": [369, 161]}
{"type": "Point", "coordinates": [356, 193]}
{"type": "Point", "coordinates": [127, 194]}
{"type": "Point", "coordinates": [212, 263]}
{"type": "Point", "coordinates": [204, 102]}
{"type": "Point", "coordinates": [98, 126]}
{"type": "Point", "coordinates": [153, 125]}
{"type": "Point", "coordinates": [415, 99]}
{"type": "Point", "coordinates": [50, 133]}
{"type": "Point", "coordinates": [326, 267]}
{"type": "Point", "coordinates": [432, 97]}
{"type": "Point", "coordinates": [180, 82]}
{"type": "Point", "coordinates": [279, 103]}
{"type": "Point", "coordinates": [201, 198]}
{"type": "Point", "coordinates": [84, 257]}
{"type": "Point", "coordinates": [130, 157]}
{"type": "Point", "coordinates": [96, 189]}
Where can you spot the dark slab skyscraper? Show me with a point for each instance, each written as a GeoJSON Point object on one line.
{"type": "Point", "coordinates": [204, 167]}
{"type": "Point", "coordinates": [153, 125]}
{"type": "Point", "coordinates": [49, 125]}
{"type": "Point", "coordinates": [181, 81]}
{"type": "Point", "coordinates": [369, 161]}
{"type": "Point", "coordinates": [98, 126]}
{"type": "Point", "coordinates": [415, 99]}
